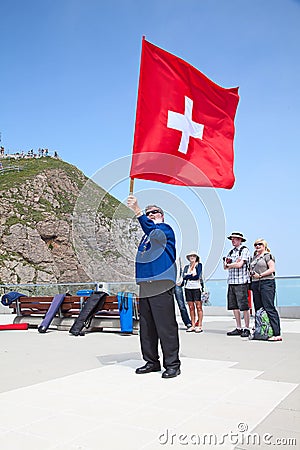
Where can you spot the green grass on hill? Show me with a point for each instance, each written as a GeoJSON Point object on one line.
{"type": "Point", "coordinates": [31, 167]}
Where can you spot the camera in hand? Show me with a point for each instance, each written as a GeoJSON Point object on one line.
{"type": "Point", "coordinates": [227, 260]}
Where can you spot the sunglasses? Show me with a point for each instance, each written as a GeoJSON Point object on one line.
{"type": "Point", "coordinates": [153, 211]}
{"type": "Point", "coordinates": [258, 245]}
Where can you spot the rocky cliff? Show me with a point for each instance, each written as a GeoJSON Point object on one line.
{"type": "Point", "coordinates": [47, 236]}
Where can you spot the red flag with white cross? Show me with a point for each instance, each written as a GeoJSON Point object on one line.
{"type": "Point", "coordinates": [184, 126]}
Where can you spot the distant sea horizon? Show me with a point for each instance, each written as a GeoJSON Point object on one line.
{"type": "Point", "coordinates": [287, 291]}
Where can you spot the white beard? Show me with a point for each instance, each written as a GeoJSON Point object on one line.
{"type": "Point", "coordinates": [157, 220]}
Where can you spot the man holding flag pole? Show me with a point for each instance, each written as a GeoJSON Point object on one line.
{"type": "Point", "coordinates": [156, 276]}
{"type": "Point", "coordinates": [184, 134]}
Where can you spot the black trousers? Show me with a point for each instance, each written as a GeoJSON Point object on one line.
{"type": "Point", "coordinates": [158, 323]}
{"type": "Point", "coordinates": [264, 297]}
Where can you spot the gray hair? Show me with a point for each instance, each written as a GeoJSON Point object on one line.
{"type": "Point", "coordinates": [154, 206]}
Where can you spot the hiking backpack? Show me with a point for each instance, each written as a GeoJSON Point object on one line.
{"type": "Point", "coordinates": [240, 251]}
{"type": "Point", "coordinates": [263, 330]}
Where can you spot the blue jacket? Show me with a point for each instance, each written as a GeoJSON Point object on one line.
{"type": "Point", "coordinates": [156, 255]}
{"type": "Point", "coordinates": [198, 275]}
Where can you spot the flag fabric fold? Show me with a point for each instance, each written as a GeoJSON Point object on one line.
{"type": "Point", "coordinates": [184, 128]}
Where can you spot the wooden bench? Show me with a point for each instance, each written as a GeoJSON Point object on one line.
{"type": "Point", "coordinates": [32, 310]}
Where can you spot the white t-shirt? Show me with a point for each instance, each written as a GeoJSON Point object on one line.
{"type": "Point", "coordinates": [193, 284]}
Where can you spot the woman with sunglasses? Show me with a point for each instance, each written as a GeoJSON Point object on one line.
{"type": "Point", "coordinates": [192, 276]}
{"type": "Point", "coordinates": [262, 268]}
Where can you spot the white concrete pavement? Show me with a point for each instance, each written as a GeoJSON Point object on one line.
{"type": "Point", "coordinates": [65, 393]}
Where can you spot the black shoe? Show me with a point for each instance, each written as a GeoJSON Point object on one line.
{"type": "Point", "coordinates": [171, 373]}
{"type": "Point", "coordinates": [148, 367]}
{"type": "Point", "coordinates": [245, 333]}
{"type": "Point", "coordinates": [235, 332]}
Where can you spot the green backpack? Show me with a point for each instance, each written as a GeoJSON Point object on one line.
{"type": "Point", "coordinates": [263, 330]}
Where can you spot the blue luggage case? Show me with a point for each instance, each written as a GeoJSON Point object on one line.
{"type": "Point", "coordinates": [125, 304]}
{"type": "Point", "coordinates": [50, 314]}
{"type": "Point", "coordinates": [85, 292]}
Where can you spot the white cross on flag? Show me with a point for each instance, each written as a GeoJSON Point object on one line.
{"type": "Point", "coordinates": [184, 126]}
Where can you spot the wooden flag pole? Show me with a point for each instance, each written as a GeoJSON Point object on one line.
{"type": "Point", "coordinates": [131, 186]}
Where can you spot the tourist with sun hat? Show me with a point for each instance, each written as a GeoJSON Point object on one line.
{"type": "Point", "coordinates": [192, 277]}
{"type": "Point", "coordinates": [237, 263]}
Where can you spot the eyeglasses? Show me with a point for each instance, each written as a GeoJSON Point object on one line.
{"type": "Point", "coordinates": [257, 245]}
{"type": "Point", "coordinates": [153, 211]}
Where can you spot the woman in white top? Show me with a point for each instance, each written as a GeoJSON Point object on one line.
{"type": "Point", "coordinates": [192, 278]}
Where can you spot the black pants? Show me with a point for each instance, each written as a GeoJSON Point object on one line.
{"type": "Point", "coordinates": [264, 297]}
{"type": "Point", "coordinates": [158, 322]}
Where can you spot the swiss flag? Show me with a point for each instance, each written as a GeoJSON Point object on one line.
{"type": "Point", "coordinates": [184, 126]}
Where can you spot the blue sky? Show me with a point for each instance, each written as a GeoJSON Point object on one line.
{"type": "Point", "coordinates": [69, 78]}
